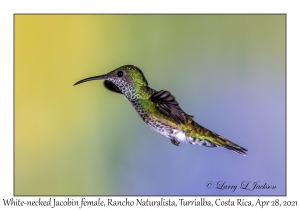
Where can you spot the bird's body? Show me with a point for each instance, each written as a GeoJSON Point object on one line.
{"type": "Point", "coordinates": [160, 111]}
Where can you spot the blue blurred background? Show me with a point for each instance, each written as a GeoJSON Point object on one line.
{"type": "Point", "coordinates": [226, 70]}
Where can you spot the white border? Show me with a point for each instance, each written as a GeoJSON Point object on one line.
{"type": "Point", "coordinates": [8, 8]}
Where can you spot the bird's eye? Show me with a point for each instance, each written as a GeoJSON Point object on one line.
{"type": "Point", "coordinates": [120, 73]}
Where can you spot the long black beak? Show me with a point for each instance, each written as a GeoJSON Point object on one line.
{"type": "Point", "coordinates": [101, 77]}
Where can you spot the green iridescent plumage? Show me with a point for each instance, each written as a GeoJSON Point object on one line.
{"type": "Point", "coordinates": [159, 109]}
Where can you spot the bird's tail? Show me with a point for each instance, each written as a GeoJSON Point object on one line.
{"type": "Point", "coordinates": [223, 142]}
{"type": "Point", "coordinates": [208, 138]}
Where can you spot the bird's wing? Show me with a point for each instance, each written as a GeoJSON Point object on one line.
{"type": "Point", "coordinates": [167, 104]}
{"type": "Point", "coordinates": [111, 86]}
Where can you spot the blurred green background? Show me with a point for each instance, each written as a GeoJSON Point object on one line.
{"type": "Point", "coordinates": [226, 70]}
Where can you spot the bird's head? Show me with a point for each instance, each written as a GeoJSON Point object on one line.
{"type": "Point", "coordinates": [121, 79]}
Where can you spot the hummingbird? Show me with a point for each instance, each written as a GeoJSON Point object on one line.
{"type": "Point", "coordinates": [160, 110]}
